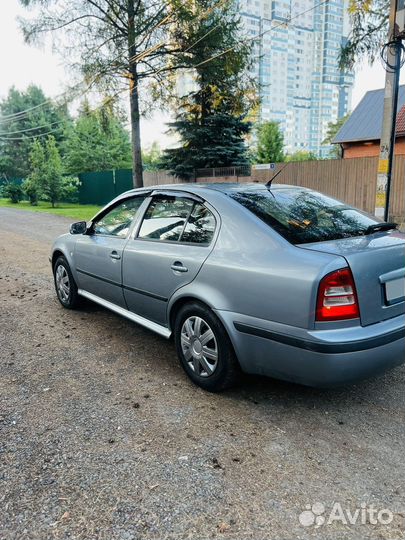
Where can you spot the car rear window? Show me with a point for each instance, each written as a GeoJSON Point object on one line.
{"type": "Point", "coordinates": [303, 216]}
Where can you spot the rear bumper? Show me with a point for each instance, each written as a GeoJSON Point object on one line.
{"type": "Point", "coordinates": [320, 358]}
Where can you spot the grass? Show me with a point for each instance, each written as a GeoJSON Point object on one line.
{"type": "Point", "coordinates": [79, 212]}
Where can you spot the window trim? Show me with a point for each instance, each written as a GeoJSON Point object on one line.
{"type": "Point", "coordinates": [178, 194]}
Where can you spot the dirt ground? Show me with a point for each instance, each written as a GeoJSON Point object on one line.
{"type": "Point", "coordinates": [103, 437]}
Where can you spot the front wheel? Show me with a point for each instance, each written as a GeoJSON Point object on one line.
{"type": "Point", "coordinates": [65, 285]}
{"type": "Point", "coordinates": [204, 348]}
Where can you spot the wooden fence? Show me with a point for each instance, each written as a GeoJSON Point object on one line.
{"type": "Point", "coordinates": [350, 180]}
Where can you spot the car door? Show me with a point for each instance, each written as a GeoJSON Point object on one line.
{"type": "Point", "coordinates": [174, 238]}
{"type": "Point", "coordinates": [98, 254]}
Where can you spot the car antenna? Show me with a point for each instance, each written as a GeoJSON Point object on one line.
{"type": "Point", "coordinates": [268, 184]}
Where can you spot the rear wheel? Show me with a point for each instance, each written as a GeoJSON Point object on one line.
{"type": "Point", "coordinates": [204, 348]}
{"type": "Point", "coordinates": [65, 285]}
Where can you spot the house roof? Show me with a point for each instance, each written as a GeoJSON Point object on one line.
{"type": "Point", "coordinates": [365, 122]}
{"type": "Point", "coordinates": [400, 127]}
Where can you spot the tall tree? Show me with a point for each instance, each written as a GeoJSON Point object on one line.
{"type": "Point", "coordinates": [24, 116]}
{"type": "Point", "coordinates": [301, 155]}
{"type": "Point", "coordinates": [270, 143]}
{"type": "Point", "coordinates": [116, 44]}
{"type": "Point", "coordinates": [152, 157]}
{"type": "Point", "coordinates": [96, 141]}
{"type": "Point", "coordinates": [38, 168]}
{"type": "Point", "coordinates": [333, 128]}
{"type": "Point", "coordinates": [369, 27]}
{"type": "Point", "coordinates": [211, 119]}
{"type": "Point", "coordinates": [51, 181]}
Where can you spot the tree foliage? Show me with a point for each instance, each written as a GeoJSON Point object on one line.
{"type": "Point", "coordinates": [96, 141]}
{"type": "Point", "coordinates": [12, 191]}
{"type": "Point", "coordinates": [301, 155]}
{"type": "Point", "coordinates": [117, 45]}
{"type": "Point", "coordinates": [46, 180]}
{"type": "Point", "coordinates": [19, 128]}
{"type": "Point", "coordinates": [369, 28]}
{"type": "Point", "coordinates": [38, 166]}
{"type": "Point", "coordinates": [211, 116]}
{"type": "Point", "coordinates": [270, 143]}
{"type": "Point", "coordinates": [333, 128]}
{"type": "Point", "coordinates": [152, 157]}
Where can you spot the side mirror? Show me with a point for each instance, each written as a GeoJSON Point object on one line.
{"type": "Point", "coordinates": [80, 227]}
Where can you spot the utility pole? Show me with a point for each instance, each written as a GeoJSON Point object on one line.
{"type": "Point", "coordinates": [392, 59]}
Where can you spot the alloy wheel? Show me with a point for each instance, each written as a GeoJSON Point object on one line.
{"type": "Point", "coordinates": [62, 283]}
{"type": "Point", "coordinates": [199, 346]}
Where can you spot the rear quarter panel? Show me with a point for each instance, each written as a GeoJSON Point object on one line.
{"type": "Point", "coordinates": [254, 271]}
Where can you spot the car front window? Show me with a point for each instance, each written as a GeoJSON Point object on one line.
{"type": "Point", "coordinates": [118, 220]}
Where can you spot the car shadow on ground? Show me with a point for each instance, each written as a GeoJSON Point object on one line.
{"type": "Point", "coordinates": [256, 389]}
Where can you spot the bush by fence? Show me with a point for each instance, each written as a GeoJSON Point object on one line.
{"type": "Point", "coordinates": [350, 180]}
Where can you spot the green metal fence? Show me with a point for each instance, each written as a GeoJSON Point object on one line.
{"type": "Point", "coordinates": [101, 187]}
{"type": "Point", "coordinates": [17, 181]}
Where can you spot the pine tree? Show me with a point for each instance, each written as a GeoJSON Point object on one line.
{"type": "Point", "coordinates": [37, 160]}
{"type": "Point", "coordinates": [18, 128]}
{"type": "Point", "coordinates": [211, 119]}
{"type": "Point", "coordinates": [270, 143]}
{"type": "Point", "coordinates": [97, 141]}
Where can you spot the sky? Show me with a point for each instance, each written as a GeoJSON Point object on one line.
{"type": "Point", "coordinates": [21, 65]}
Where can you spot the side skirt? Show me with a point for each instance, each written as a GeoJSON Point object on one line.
{"type": "Point", "coordinates": [159, 329]}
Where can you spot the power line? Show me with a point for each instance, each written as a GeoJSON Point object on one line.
{"type": "Point", "coordinates": [22, 114]}
{"type": "Point", "coordinates": [31, 129]}
{"type": "Point", "coordinates": [104, 104]}
{"type": "Point", "coordinates": [28, 136]}
{"type": "Point", "coordinates": [261, 34]}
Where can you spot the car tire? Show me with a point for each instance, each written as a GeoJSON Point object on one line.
{"type": "Point", "coordinates": [65, 285]}
{"type": "Point", "coordinates": [204, 348]}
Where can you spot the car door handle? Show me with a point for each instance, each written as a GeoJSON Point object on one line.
{"type": "Point", "coordinates": [115, 255]}
{"type": "Point", "coordinates": [177, 266]}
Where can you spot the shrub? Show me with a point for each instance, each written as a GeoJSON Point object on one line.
{"type": "Point", "coordinates": [14, 192]}
{"type": "Point", "coordinates": [70, 189]}
{"type": "Point", "coordinates": [31, 190]}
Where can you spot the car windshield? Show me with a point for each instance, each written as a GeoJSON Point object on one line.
{"type": "Point", "coordinates": [303, 216]}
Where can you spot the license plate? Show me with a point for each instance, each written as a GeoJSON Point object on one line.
{"type": "Point", "coordinates": [395, 290]}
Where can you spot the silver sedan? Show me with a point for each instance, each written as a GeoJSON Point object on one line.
{"type": "Point", "coordinates": [275, 280]}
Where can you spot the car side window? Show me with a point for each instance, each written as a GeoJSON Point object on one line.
{"type": "Point", "coordinates": [200, 227]}
{"type": "Point", "coordinates": [165, 218]}
{"type": "Point", "coordinates": [118, 220]}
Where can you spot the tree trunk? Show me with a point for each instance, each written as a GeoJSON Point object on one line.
{"type": "Point", "coordinates": [137, 169]}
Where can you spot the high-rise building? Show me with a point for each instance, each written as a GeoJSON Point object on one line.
{"type": "Point", "coordinates": [296, 64]}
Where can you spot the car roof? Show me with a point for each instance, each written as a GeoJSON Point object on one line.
{"type": "Point", "coordinates": [224, 187]}
{"type": "Point", "coordinates": [208, 191]}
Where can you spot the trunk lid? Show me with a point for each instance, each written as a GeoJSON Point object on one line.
{"type": "Point", "coordinates": [377, 262]}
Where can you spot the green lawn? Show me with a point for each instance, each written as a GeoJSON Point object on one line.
{"type": "Point", "coordinates": [79, 212]}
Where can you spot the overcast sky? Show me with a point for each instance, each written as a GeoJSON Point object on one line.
{"type": "Point", "coordinates": [21, 65]}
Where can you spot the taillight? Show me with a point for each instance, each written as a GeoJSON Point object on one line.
{"type": "Point", "coordinates": [337, 297]}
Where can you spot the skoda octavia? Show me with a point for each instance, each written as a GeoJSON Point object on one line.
{"type": "Point", "coordinates": [275, 280]}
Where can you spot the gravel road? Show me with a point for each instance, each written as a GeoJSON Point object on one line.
{"type": "Point", "coordinates": [103, 437]}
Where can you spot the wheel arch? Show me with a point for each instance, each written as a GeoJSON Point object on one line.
{"type": "Point", "coordinates": [178, 303]}
{"type": "Point", "coordinates": [203, 293]}
{"type": "Point", "coordinates": [63, 251]}
{"type": "Point", "coordinates": [55, 256]}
